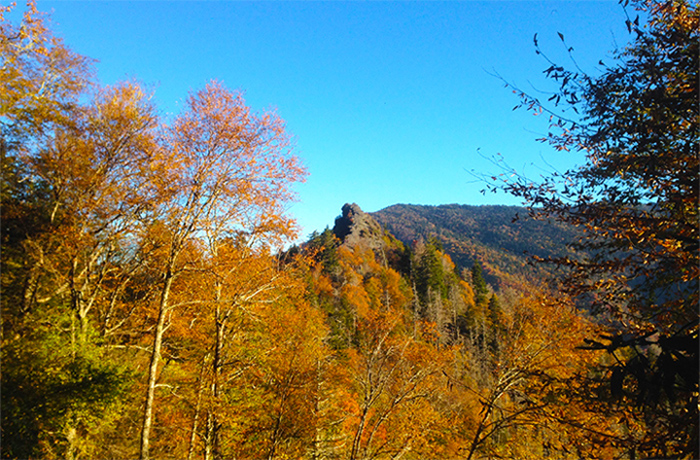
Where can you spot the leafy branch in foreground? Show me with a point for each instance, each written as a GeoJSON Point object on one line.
{"type": "Point", "coordinates": [636, 198]}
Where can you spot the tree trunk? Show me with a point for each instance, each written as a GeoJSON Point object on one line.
{"type": "Point", "coordinates": [208, 438]}
{"type": "Point", "coordinates": [197, 408]}
{"type": "Point", "coordinates": [216, 425]}
{"type": "Point", "coordinates": [357, 440]}
{"type": "Point", "coordinates": [317, 413]}
{"type": "Point", "coordinates": [153, 369]}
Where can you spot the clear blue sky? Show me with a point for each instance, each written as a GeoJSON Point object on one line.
{"type": "Point", "coordinates": [389, 102]}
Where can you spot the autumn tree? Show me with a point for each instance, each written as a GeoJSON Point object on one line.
{"type": "Point", "coordinates": [221, 171]}
{"type": "Point", "coordinates": [41, 81]}
{"type": "Point", "coordinates": [279, 356]}
{"type": "Point", "coordinates": [72, 158]}
{"type": "Point", "coordinates": [240, 375]}
{"type": "Point", "coordinates": [40, 78]}
{"type": "Point", "coordinates": [636, 198]}
{"type": "Point", "coordinates": [392, 365]}
{"type": "Point", "coordinates": [105, 211]}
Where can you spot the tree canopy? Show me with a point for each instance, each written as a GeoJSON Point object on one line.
{"type": "Point", "coordinates": [636, 198]}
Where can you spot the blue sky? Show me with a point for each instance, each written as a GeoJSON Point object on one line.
{"type": "Point", "coordinates": [388, 102]}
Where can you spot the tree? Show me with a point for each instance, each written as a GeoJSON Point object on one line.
{"type": "Point", "coordinates": [72, 154]}
{"type": "Point", "coordinates": [222, 171]}
{"type": "Point", "coordinates": [40, 78]}
{"type": "Point", "coordinates": [480, 290]}
{"type": "Point", "coordinates": [636, 198]}
{"type": "Point", "coordinates": [41, 81]}
{"type": "Point", "coordinates": [522, 402]}
{"type": "Point", "coordinates": [280, 390]}
{"type": "Point", "coordinates": [112, 220]}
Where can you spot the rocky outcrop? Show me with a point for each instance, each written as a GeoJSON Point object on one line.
{"type": "Point", "coordinates": [354, 226]}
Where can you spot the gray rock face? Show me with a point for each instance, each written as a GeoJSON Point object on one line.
{"type": "Point", "coordinates": [355, 226]}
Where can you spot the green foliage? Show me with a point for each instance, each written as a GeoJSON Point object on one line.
{"type": "Point", "coordinates": [324, 248]}
{"type": "Point", "coordinates": [429, 272]}
{"type": "Point", "coordinates": [55, 399]}
{"type": "Point", "coordinates": [480, 290]}
{"type": "Point", "coordinates": [494, 312]}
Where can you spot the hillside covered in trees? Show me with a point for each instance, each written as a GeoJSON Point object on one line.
{"type": "Point", "coordinates": [149, 310]}
{"type": "Point", "coordinates": [503, 239]}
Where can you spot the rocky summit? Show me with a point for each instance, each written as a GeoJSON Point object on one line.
{"type": "Point", "coordinates": [354, 225]}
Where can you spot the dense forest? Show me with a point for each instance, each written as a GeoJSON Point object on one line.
{"type": "Point", "coordinates": [152, 306]}
{"type": "Point", "coordinates": [505, 240]}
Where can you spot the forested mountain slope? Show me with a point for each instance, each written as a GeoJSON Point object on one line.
{"type": "Point", "coordinates": [438, 364]}
{"type": "Point", "coordinates": [147, 312]}
{"type": "Point", "coordinates": [502, 238]}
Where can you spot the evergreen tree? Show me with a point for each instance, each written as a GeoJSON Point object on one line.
{"type": "Point", "coordinates": [494, 312]}
{"type": "Point", "coordinates": [481, 291]}
{"type": "Point", "coordinates": [324, 247]}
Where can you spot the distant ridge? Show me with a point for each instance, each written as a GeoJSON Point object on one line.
{"type": "Point", "coordinates": [502, 238]}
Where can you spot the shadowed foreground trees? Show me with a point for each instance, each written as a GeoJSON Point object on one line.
{"type": "Point", "coordinates": [636, 198]}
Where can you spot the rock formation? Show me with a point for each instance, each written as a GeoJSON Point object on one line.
{"type": "Point", "coordinates": [354, 226]}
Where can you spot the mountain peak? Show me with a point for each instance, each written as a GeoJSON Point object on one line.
{"type": "Point", "coordinates": [355, 225]}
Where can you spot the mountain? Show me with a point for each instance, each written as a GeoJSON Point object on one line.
{"type": "Point", "coordinates": [502, 238]}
